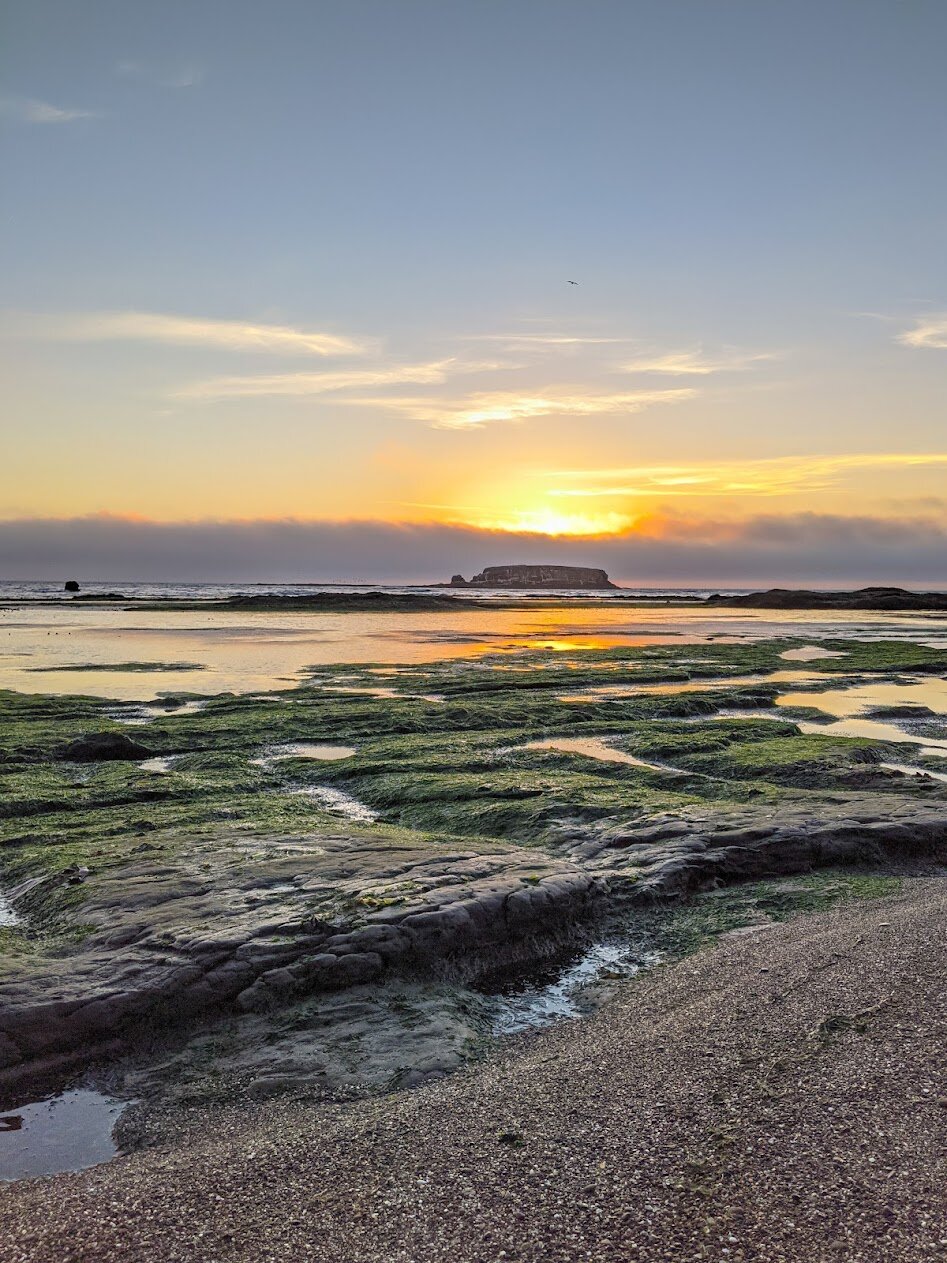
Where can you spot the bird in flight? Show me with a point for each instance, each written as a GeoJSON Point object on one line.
{"type": "Point", "coordinates": [572, 282]}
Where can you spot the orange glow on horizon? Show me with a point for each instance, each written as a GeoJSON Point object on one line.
{"type": "Point", "coordinates": [555, 523]}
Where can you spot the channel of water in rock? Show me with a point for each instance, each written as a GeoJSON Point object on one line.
{"type": "Point", "coordinates": [910, 770]}
{"type": "Point", "coordinates": [338, 802]}
{"type": "Point", "coordinates": [161, 763]}
{"type": "Point", "coordinates": [873, 729]}
{"type": "Point", "coordinates": [539, 998]}
{"type": "Point", "coordinates": [8, 914]}
{"type": "Point", "coordinates": [810, 653]}
{"type": "Point", "coordinates": [387, 693]}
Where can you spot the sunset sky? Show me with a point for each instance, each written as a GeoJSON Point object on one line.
{"type": "Point", "coordinates": [286, 289]}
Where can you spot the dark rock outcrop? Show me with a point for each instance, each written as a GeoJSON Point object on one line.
{"type": "Point", "coordinates": [672, 855]}
{"type": "Point", "coordinates": [336, 602]}
{"type": "Point", "coordinates": [70, 586]}
{"type": "Point", "coordinates": [102, 747]}
{"type": "Point", "coordinates": [860, 599]}
{"type": "Point", "coordinates": [536, 577]}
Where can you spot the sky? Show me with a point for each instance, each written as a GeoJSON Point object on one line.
{"type": "Point", "coordinates": [288, 289]}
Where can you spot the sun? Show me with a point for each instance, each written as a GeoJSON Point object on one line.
{"type": "Point", "coordinates": [545, 521]}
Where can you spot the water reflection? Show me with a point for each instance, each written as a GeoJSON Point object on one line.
{"type": "Point", "coordinates": [304, 750]}
{"type": "Point", "coordinates": [930, 691]}
{"type": "Point", "coordinates": [272, 650]}
{"type": "Point", "coordinates": [696, 686]}
{"type": "Point", "coordinates": [593, 748]}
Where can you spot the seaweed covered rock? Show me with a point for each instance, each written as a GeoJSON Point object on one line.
{"type": "Point", "coordinates": [101, 747]}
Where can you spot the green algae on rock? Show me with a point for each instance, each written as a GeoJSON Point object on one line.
{"type": "Point", "coordinates": [224, 884]}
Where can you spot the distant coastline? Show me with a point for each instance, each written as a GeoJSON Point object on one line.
{"type": "Point", "coordinates": [430, 598]}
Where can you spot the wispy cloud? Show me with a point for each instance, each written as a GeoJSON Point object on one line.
{"type": "Point", "coordinates": [694, 363]}
{"type": "Point", "coordinates": [184, 74]}
{"type": "Point", "coordinates": [929, 333]}
{"type": "Point", "coordinates": [772, 477]}
{"type": "Point", "coordinates": [544, 339]}
{"type": "Point", "coordinates": [229, 335]}
{"type": "Point", "coordinates": [29, 110]}
{"type": "Point", "coordinates": [491, 407]}
{"type": "Point", "coordinates": [301, 384]}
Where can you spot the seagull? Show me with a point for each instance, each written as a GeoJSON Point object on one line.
{"type": "Point", "coordinates": [572, 282]}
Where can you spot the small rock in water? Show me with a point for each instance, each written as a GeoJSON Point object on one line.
{"type": "Point", "coordinates": [71, 586]}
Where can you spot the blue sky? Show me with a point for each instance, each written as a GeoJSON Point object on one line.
{"type": "Point", "coordinates": [751, 196]}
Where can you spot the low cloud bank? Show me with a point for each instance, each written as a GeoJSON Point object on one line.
{"type": "Point", "coordinates": [804, 549]}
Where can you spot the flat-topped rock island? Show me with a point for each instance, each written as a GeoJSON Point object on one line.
{"type": "Point", "coordinates": [535, 577]}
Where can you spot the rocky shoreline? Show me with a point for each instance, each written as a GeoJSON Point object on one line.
{"type": "Point", "coordinates": [179, 879]}
{"type": "Point", "coordinates": [773, 1100]}
{"type": "Point", "coordinates": [513, 587]}
{"type": "Point", "coordinates": [167, 948]}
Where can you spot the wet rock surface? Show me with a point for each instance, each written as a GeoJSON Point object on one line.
{"type": "Point", "coordinates": [251, 924]}
{"type": "Point", "coordinates": [243, 924]}
{"type": "Point", "coordinates": [672, 855]}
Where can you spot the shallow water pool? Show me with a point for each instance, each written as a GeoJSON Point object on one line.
{"type": "Point", "coordinates": [68, 1132]}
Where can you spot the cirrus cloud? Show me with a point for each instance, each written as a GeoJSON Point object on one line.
{"type": "Point", "coordinates": [193, 331]}
{"type": "Point", "coordinates": [694, 363]}
{"type": "Point", "coordinates": [29, 110]}
{"type": "Point", "coordinates": [473, 411]}
{"type": "Point", "coordinates": [780, 475]}
{"type": "Point", "coordinates": [302, 384]}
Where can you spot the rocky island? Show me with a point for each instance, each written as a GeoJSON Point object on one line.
{"type": "Point", "coordinates": [535, 577]}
